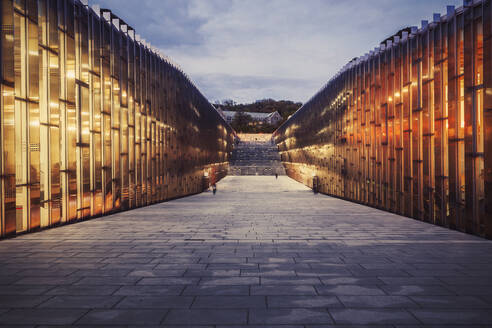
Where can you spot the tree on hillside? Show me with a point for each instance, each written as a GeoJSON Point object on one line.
{"type": "Point", "coordinates": [228, 102]}
{"type": "Point", "coordinates": [241, 121]}
{"type": "Point", "coordinates": [284, 107]}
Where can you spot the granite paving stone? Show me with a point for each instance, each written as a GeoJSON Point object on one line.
{"type": "Point", "coordinates": [372, 316]}
{"type": "Point", "coordinates": [206, 317]}
{"type": "Point", "coordinates": [289, 316]}
{"type": "Point", "coordinates": [14, 290]}
{"type": "Point", "coordinates": [261, 252]}
{"type": "Point", "coordinates": [417, 290]}
{"type": "Point", "coordinates": [303, 302]}
{"type": "Point", "coordinates": [123, 316]}
{"type": "Point", "coordinates": [180, 326]}
{"type": "Point", "coordinates": [155, 302]}
{"type": "Point", "coordinates": [230, 281]}
{"type": "Point", "coordinates": [129, 266]}
{"type": "Point", "coordinates": [90, 326]}
{"type": "Point", "coordinates": [451, 301]}
{"type": "Point", "coordinates": [21, 301]}
{"type": "Point", "coordinates": [377, 301]}
{"type": "Point", "coordinates": [149, 290]}
{"type": "Point", "coordinates": [47, 281]}
{"type": "Point", "coordinates": [283, 290]}
{"type": "Point", "coordinates": [437, 326]}
{"type": "Point", "coordinates": [410, 280]}
{"type": "Point", "coordinates": [487, 299]}
{"type": "Point", "coordinates": [281, 266]}
{"type": "Point", "coordinates": [105, 281]}
{"type": "Point", "coordinates": [177, 266]}
{"type": "Point", "coordinates": [262, 326]}
{"type": "Point", "coordinates": [267, 273]}
{"type": "Point", "coordinates": [44, 273]}
{"type": "Point", "coordinates": [327, 272]}
{"type": "Point", "coordinates": [41, 316]}
{"type": "Point", "coordinates": [465, 280]}
{"type": "Point", "coordinates": [357, 326]}
{"type": "Point", "coordinates": [269, 260]}
{"type": "Point", "coordinates": [454, 317]}
{"type": "Point", "coordinates": [349, 290]}
{"type": "Point", "coordinates": [101, 273]}
{"type": "Point", "coordinates": [224, 260]}
{"type": "Point", "coordinates": [80, 302]}
{"type": "Point", "coordinates": [282, 280]}
{"type": "Point", "coordinates": [98, 290]}
{"type": "Point", "coordinates": [466, 290]}
{"type": "Point", "coordinates": [351, 281]}
{"type": "Point", "coordinates": [229, 302]}
{"type": "Point", "coordinates": [379, 273]}
{"type": "Point", "coordinates": [168, 281]}
{"type": "Point", "coordinates": [212, 273]}
{"type": "Point", "coordinates": [217, 290]}
{"type": "Point", "coordinates": [156, 273]}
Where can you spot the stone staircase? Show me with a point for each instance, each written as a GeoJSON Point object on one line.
{"type": "Point", "coordinates": [255, 157]}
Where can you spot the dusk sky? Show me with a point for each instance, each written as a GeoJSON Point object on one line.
{"type": "Point", "coordinates": [247, 50]}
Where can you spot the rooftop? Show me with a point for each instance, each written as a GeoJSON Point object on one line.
{"type": "Point", "coordinates": [258, 116]}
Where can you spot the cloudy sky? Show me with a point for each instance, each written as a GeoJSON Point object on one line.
{"type": "Point", "coordinates": [254, 49]}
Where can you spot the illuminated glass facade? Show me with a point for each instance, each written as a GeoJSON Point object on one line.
{"type": "Point", "coordinates": [407, 127]}
{"type": "Point", "coordinates": [93, 120]}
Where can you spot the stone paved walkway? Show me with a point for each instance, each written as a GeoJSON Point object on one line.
{"type": "Point", "coordinates": [261, 252]}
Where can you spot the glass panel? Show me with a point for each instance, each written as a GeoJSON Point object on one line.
{"type": "Point", "coordinates": [34, 166]}
{"type": "Point", "coordinates": [85, 112]}
{"type": "Point", "coordinates": [124, 157]}
{"type": "Point", "coordinates": [83, 149]}
{"type": "Point", "coordinates": [9, 159]}
{"type": "Point", "coordinates": [21, 175]}
{"type": "Point", "coordinates": [71, 132]}
{"type": "Point", "coordinates": [7, 121]}
{"type": "Point", "coordinates": [54, 135]}
{"type": "Point", "coordinates": [96, 146]}
{"type": "Point", "coordinates": [487, 116]}
{"type": "Point", "coordinates": [107, 178]}
{"type": "Point", "coordinates": [478, 128]}
{"type": "Point", "coordinates": [423, 124]}
{"type": "Point", "coordinates": [43, 117]}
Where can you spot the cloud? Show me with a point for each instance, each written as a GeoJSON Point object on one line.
{"type": "Point", "coordinates": [254, 49]}
{"type": "Point", "coordinates": [251, 87]}
{"type": "Point", "coordinates": [164, 23]}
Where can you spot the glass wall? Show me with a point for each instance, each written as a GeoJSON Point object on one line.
{"type": "Point", "coordinates": [93, 120]}
{"type": "Point", "coordinates": [407, 127]}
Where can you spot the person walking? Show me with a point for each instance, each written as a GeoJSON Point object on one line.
{"type": "Point", "coordinates": [214, 188]}
{"type": "Point", "coordinates": [276, 175]}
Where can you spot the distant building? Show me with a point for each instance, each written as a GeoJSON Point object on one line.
{"type": "Point", "coordinates": [269, 118]}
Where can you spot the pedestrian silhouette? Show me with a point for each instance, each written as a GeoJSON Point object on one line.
{"type": "Point", "coordinates": [276, 175]}
{"type": "Point", "coordinates": [214, 188]}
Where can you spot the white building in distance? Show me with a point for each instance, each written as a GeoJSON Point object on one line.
{"type": "Point", "coordinates": [269, 118]}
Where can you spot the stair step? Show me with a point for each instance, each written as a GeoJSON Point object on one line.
{"type": "Point", "coordinates": [255, 158]}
